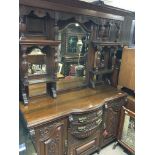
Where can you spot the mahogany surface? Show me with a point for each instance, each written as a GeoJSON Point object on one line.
{"type": "Point", "coordinates": [45, 109]}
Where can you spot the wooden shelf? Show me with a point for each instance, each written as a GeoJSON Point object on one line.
{"type": "Point", "coordinates": [37, 75]}
{"type": "Point", "coordinates": [40, 42]}
{"type": "Point", "coordinates": [103, 71]}
{"type": "Point", "coordinates": [102, 43]}
{"type": "Point", "coordinates": [40, 80]}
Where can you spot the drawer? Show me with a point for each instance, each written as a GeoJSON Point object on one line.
{"type": "Point", "coordinates": [83, 131]}
{"type": "Point", "coordinates": [87, 117]}
{"type": "Point", "coordinates": [87, 147]}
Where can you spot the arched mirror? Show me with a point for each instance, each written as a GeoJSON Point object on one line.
{"type": "Point", "coordinates": [72, 56]}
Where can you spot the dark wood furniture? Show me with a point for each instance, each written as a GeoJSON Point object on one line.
{"type": "Point", "coordinates": [82, 121]}
{"type": "Point", "coordinates": [78, 122]}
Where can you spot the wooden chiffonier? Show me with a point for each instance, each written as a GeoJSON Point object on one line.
{"type": "Point", "coordinates": [66, 47]}
{"type": "Point", "coordinates": [76, 123]}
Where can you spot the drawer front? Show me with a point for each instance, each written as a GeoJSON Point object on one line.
{"type": "Point", "coordinates": [87, 148]}
{"type": "Point", "coordinates": [85, 117]}
{"type": "Point", "coordinates": [83, 146]}
{"type": "Point", "coordinates": [85, 124]}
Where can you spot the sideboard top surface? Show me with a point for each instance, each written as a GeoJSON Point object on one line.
{"type": "Point", "coordinates": [45, 109]}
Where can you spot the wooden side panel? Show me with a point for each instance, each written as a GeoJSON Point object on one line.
{"type": "Point", "coordinates": [130, 103]}
{"type": "Point", "coordinates": [127, 69]}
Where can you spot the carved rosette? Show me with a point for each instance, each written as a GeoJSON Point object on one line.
{"type": "Point", "coordinates": [53, 145]}
{"type": "Point", "coordinates": [44, 132]}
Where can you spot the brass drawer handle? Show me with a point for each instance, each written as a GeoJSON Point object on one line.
{"type": "Point", "coordinates": [82, 128]}
{"type": "Point", "coordinates": [70, 118]}
{"type": "Point", "coordinates": [98, 121]}
{"type": "Point", "coordinates": [99, 113]}
{"type": "Point", "coordinates": [82, 119]}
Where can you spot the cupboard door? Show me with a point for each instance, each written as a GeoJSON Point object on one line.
{"type": "Point", "coordinates": [50, 139]}
{"type": "Point", "coordinates": [110, 124]}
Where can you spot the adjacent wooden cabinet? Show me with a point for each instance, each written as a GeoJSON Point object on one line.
{"type": "Point", "coordinates": [127, 69]}
{"type": "Point", "coordinates": [126, 135]}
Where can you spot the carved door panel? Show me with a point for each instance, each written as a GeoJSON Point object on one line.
{"type": "Point", "coordinates": [110, 125]}
{"type": "Point", "coordinates": [51, 140]}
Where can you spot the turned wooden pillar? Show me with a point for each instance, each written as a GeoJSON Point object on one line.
{"type": "Point", "coordinates": [24, 73]}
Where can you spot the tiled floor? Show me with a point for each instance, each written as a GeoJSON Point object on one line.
{"type": "Point", "coordinates": [29, 148]}
{"type": "Point", "coordinates": [108, 150]}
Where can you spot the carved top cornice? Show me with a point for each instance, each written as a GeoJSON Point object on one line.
{"type": "Point", "coordinates": [69, 8]}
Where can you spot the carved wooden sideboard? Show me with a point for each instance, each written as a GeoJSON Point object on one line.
{"type": "Point", "coordinates": [76, 123]}
{"type": "Point", "coordinates": [82, 121]}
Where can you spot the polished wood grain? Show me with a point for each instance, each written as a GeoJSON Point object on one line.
{"type": "Point", "coordinates": [45, 109]}
{"type": "Point", "coordinates": [130, 103]}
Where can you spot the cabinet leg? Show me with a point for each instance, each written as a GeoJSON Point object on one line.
{"type": "Point", "coordinates": [115, 144]}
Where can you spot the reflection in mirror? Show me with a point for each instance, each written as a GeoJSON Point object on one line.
{"type": "Point", "coordinates": [36, 62]}
{"type": "Point", "coordinates": [72, 56]}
